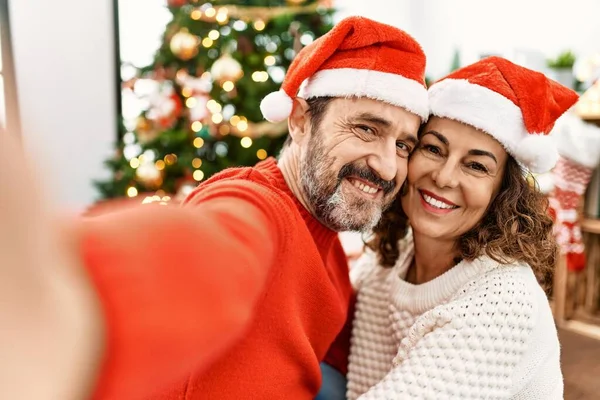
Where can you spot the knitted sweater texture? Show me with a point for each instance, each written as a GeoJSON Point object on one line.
{"type": "Point", "coordinates": [482, 330]}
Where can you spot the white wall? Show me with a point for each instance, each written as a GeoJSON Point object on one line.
{"type": "Point", "coordinates": [545, 27]}
{"type": "Point", "coordinates": [64, 62]}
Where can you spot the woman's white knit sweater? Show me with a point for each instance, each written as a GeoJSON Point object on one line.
{"type": "Point", "coordinates": [480, 331]}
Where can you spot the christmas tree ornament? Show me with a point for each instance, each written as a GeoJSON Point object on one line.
{"type": "Point", "coordinates": [177, 3]}
{"type": "Point", "coordinates": [184, 45]}
{"type": "Point", "coordinates": [226, 68]}
{"type": "Point", "coordinates": [145, 131]}
{"type": "Point", "coordinates": [148, 175]}
{"type": "Point", "coordinates": [165, 105]}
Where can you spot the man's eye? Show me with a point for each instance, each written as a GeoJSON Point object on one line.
{"type": "Point", "coordinates": [365, 129]}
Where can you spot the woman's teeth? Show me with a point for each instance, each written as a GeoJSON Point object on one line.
{"type": "Point", "coordinates": [436, 203]}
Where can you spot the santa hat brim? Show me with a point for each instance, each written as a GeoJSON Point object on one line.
{"type": "Point", "coordinates": [349, 82]}
{"type": "Point", "coordinates": [489, 111]}
{"type": "Point", "coordinates": [383, 86]}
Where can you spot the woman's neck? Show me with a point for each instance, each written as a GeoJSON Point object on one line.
{"type": "Point", "coordinates": [433, 257]}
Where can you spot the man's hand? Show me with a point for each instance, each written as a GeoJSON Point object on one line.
{"type": "Point", "coordinates": [50, 322]}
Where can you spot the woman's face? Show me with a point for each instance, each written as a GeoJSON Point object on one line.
{"type": "Point", "coordinates": [453, 177]}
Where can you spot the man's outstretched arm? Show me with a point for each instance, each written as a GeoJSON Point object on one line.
{"type": "Point", "coordinates": [178, 285]}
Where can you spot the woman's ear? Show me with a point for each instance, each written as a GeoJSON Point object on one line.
{"type": "Point", "coordinates": [299, 121]}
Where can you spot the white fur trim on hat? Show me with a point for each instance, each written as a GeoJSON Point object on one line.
{"type": "Point", "coordinates": [484, 109]}
{"type": "Point", "coordinates": [276, 106]}
{"type": "Point", "coordinates": [384, 86]}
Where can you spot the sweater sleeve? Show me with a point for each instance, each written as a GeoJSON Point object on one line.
{"type": "Point", "coordinates": [471, 348]}
{"type": "Point", "coordinates": [178, 284]}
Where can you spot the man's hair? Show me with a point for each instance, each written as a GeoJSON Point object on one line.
{"type": "Point", "coordinates": [515, 228]}
{"type": "Point", "coordinates": [317, 106]}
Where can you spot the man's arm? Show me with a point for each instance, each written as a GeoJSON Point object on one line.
{"type": "Point", "coordinates": [178, 285]}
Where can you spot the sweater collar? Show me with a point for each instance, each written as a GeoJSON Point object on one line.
{"type": "Point", "coordinates": [421, 298]}
{"type": "Point", "coordinates": [322, 235]}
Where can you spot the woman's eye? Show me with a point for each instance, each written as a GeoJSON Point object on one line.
{"type": "Point", "coordinates": [432, 149]}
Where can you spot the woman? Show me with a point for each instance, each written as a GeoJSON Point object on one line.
{"type": "Point", "coordinates": [453, 309]}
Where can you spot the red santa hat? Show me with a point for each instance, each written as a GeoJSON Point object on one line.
{"type": "Point", "coordinates": [358, 57]}
{"type": "Point", "coordinates": [515, 105]}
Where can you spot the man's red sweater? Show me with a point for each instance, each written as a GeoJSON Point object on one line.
{"type": "Point", "coordinates": [239, 294]}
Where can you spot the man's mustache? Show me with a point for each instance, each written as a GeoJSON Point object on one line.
{"type": "Point", "coordinates": [367, 174]}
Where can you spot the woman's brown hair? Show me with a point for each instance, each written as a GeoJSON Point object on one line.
{"type": "Point", "coordinates": [516, 227]}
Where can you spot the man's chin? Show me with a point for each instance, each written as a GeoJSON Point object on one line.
{"type": "Point", "coordinates": [344, 221]}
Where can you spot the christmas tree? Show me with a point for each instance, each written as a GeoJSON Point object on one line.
{"type": "Point", "coordinates": [201, 95]}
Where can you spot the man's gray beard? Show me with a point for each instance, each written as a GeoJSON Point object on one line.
{"type": "Point", "coordinates": [328, 203]}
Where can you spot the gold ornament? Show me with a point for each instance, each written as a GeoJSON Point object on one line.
{"type": "Point", "coordinates": [146, 131]}
{"type": "Point", "coordinates": [226, 68]}
{"type": "Point", "coordinates": [149, 175]}
{"type": "Point", "coordinates": [295, 2]}
{"type": "Point", "coordinates": [184, 45]}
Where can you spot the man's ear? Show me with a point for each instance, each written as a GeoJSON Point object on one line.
{"type": "Point", "coordinates": [299, 121]}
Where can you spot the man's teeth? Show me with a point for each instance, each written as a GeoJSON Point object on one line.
{"type": "Point", "coordinates": [436, 203]}
{"type": "Point", "coordinates": [364, 188]}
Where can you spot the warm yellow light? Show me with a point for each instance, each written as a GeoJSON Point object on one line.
{"type": "Point", "coordinates": [269, 60]}
{"type": "Point", "coordinates": [261, 154]}
{"type": "Point", "coordinates": [217, 118]}
{"type": "Point", "coordinates": [224, 130]}
{"type": "Point", "coordinates": [191, 102]}
{"type": "Point", "coordinates": [134, 162]}
{"type": "Point", "coordinates": [211, 12]}
{"type": "Point", "coordinates": [228, 86]}
{"type": "Point", "coordinates": [198, 175]}
{"type": "Point", "coordinates": [198, 142]}
{"type": "Point", "coordinates": [214, 34]}
{"type": "Point", "coordinates": [132, 191]}
{"type": "Point", "coordinates": [196, 15]}
{"type": "Point", "coordinates": [259, 25]}
{"type": "Point", "coordinates": [196, 163]}
{"type": "Point", "coordinates": [207, 42]}
{"type": "Point", "coordinates": [242, 126]}
{"type": "Point", "coordinates": [205, 75]}
{"type": "Point", "coordinates": [213, 106]}
{"type": "Point", "coordinates": [166, 198]}
{"type": "Point", "coordinates": [170, 159]}
{"type": "Point", "coordinates": [246, 142]}
{"type": "Point", "coordinates": [160, 165]}
{"type": "Point", "coordinates": [186, 92]}
{"type": "Point", "coordinates": [234, 120]}
{"type": "Point", "coordinates": [196, 126]}
{"type": "Point", "coordinates": [260, 76]}
{"type": "Point", "coordinates": [222, 16]}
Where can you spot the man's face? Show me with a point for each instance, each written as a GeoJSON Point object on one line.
{"type": "Point", "coordinates": [355, 161]}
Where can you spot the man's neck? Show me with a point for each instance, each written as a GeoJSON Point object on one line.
{"type": "Point", "coordinates": [289, 164]}
{"type": "Point", "coordinates": [433, 257]}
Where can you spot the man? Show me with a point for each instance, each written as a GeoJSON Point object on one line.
{"type": "Point", "coordinates": [241, 292]}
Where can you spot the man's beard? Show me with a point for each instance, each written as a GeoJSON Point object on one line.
{"type": "Point", "coordinates": [323, 189]}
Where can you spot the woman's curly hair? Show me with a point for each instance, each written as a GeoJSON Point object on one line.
{"type": "Point", "coordinates": [516, 227]}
